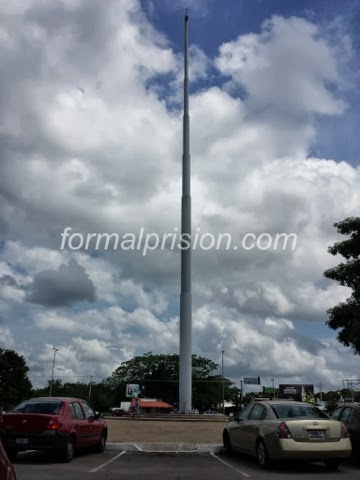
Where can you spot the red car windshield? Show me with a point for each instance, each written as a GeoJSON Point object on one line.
{"type": "Point", "coordinates": [297, 411]}
{"type": "Point", "coordinates": [52, 408]}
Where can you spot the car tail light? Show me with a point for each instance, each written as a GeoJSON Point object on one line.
{"type": "Point", "coordinates": [9, 473]}
{"type": "Point", "coordinates": [344, 432]}
{"type": "Point", "coordinates": [282, 431]}
{"type": "Point", "coordinates": [54, 424]}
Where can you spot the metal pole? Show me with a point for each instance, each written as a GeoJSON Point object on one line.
{"type": "Point", "coordinates": [320, 391]}
{"type": "Point", "coordinates": [185, 366]}
{"type": "Point", "coordinates": [52, 373]}
{"type": "Point", "coordinates": [90, 388]}
{"type": "Point", "coordinates": [273, 382]}
{"type": "Point", "coordinates": [223, 383]}
{"type": "Point", "coordinates": [241, 393]}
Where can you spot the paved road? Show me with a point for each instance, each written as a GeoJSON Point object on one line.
{"type": "Point", "coordinates": [167, 466]}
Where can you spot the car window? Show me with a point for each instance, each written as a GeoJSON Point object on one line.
{"type": "Point", "coordinates": [345, 415]}
{"type": "Point", "coordinates": [335, 415]}
{"type": "Point", "coordinates": [89, 412]}
{"type": "Point", "coordinates": [78, 410]}
{"type": "Point", "coordinates": [297, 411]}
{"type": "Point", "coordinates": [72, 410]}
{"type": "Point", "coordinates": [258, 413]}
{"type": "Point", "coordinates": [52, 408]}
{"type": "Point", "coordinates": [355, 416]}
{"type": "Point", "coordinates": [244, 414]}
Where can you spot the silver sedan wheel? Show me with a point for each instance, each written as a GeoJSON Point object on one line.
{"type": "Point", "coordinates": [227, 443]}
{"type": "Point", "coordinates": [262, 454]}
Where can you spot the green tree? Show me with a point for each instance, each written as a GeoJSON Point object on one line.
{"type": "Point", "coordinates": [101, 395]}
{"type": "Point", "coordinates": [332, 397]}
{"type": "Point", "coordinates": [57, 390]}
{"type": "Point", "coordinates": [346, 315]}
{"type": "Point", "coordinates": [159, 377]}
{"type": "Point", "coordinates": [14, 383]}
{"type": "Point", "coordinates": [310, 398]}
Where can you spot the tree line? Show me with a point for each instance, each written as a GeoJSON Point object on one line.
{"type": "Point", "coordinates": [157, 376]}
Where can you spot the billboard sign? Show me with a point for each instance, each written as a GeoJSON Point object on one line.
{"type": "Point", "coordinates": [132, 390]}
{"type": "Point", "coordinates": [268, 390]}
{"type": "Point", "coordinates": [252, 380]}
{"type": "Point", "coordinates": [297, 391]}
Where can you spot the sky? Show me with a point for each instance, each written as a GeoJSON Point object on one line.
{"type": "Point", "coordinates": [91, 140]}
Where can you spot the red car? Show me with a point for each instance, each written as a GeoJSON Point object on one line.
{"type": "Point", "coordinates": [54, 424]}
{"type": "Point", "coordinates": [349, 414]}
{"type": "Point", "coordinates": [6, 469]}
{"type": "Point", "coordinates": [120, 412]}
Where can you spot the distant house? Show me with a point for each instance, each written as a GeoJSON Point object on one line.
{"type": "Point", "coordinates": [150, 405]}
{"type": "Point", "coordinates": [154, 405]}
{"type": "Point", "coordinates": [229, 407]}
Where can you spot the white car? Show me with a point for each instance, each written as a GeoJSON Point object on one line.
{"type": "Point", "coordinates": [273, 431]}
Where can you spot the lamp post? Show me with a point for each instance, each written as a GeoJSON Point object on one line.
{"type": "Point", "coordinates": [273, 382]}
{"type": "Point", "coordinates": [90, 388]}
{"type": "Point", "coordinates": [185, 355]}
{"type": "Point", "coordinates": [53, 368]}
{"type": "Point", "coordinates": [241, 394]}
{"type": "Point", "coordinates": [223, 381]}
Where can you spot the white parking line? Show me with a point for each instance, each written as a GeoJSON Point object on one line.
{"type": "Point", "coordinates": [231, 466]}
{"type": "Point", "coordinates": [107, 463]}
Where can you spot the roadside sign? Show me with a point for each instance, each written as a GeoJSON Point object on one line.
{"type": "Point", "coordinates": [252, 380]}
{"type": "Point", "coordinates": [268, 390]}
{"type": "Point", "coordinates": [132, 390]}
{"type": "Point", "coordinates": [296, 391]}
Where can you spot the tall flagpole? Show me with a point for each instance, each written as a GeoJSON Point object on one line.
{"type": "Point", "coordinates": [185, 367]}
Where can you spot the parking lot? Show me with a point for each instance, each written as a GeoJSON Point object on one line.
{"type": "Point", "coordinates": [178, 466]}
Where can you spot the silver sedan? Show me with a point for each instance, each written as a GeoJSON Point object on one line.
{"type": "Point", "coordinates": [287, 430]}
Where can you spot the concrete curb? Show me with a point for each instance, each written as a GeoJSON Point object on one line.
{"type": "Point", "coordinates": [165, 447]}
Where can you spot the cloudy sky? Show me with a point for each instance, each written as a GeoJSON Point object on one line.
{"type": "Point", "coordinates": [91, 139]}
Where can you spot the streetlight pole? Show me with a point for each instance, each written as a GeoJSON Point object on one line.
{"type": "Point", "coordinates": [223, 381]}
{"type": "Point", "coordinates": [320, 387]}
{"type": "Point", "coordinates": [185, 361]}
{"type": "Point", "coordinates": [273, 382]}
{"type": "Point", "coordinates": [90, 388]}
{"type": "Point", "coordinates": [53, 368]}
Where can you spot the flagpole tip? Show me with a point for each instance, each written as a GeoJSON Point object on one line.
{"type": "Point", "coordinates": [186, 14]}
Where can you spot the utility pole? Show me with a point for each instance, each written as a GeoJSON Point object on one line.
{"type": "Point", "coordinates": [185, 363]}
{"type": "Point", "coordinates": [273, 385]}
{"type": "Point", "coordinates": [53, 368]}
{"type": "Point", "coordinates": [90, 388]}
{"type": "Point", "coordinates": [241, 393]}
{"type": "Point", "coordinates": [223, 381]}
{"type": "Point", "coordinates": [320, 388]}
{"type": "Point", "coordinates": [350, 386]}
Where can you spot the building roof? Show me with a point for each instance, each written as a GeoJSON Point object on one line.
{"type": "Point", "coordinates": [154, 404]}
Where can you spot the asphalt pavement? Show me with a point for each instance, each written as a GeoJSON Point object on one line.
{"type": "Point", "coordinates": [114, 465]}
